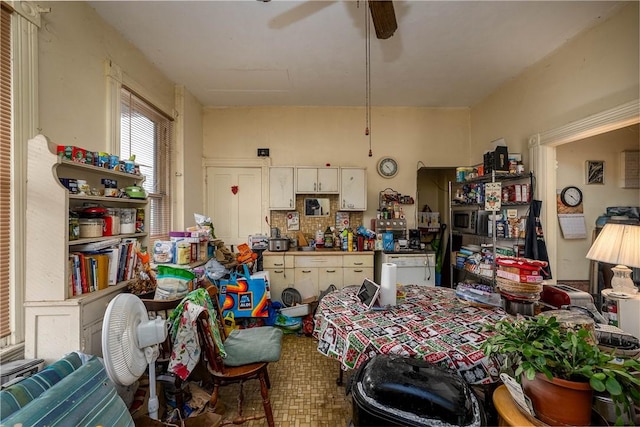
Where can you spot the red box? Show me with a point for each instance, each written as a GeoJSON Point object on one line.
{"type": "Point", "coordinates": [78, 155]}
{"type": "Point", "coordinates": [523, 270]}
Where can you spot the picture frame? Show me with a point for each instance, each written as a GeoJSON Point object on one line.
{"type": "Point", "coordinates": [594, 172]}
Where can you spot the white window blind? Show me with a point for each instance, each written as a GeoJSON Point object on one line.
{"type": "Point", "coordinates": [5, 169]}
{"type": "Point", "coordinates": [146, 133]}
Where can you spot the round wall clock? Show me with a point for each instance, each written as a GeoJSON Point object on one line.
{"type": "Point", "coordinates": [571, 196]}
{"type": "Point", "coordinates": [387, 167]}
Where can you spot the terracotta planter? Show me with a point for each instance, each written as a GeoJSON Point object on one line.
{"type": "Point", "coordinates": [560, 402]}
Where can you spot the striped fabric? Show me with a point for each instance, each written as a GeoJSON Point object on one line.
{"type": "Point", "coordinates": [85, 398]}
{"type": "Point", "coordinates": [18, 395]}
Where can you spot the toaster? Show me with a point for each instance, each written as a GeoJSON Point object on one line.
{"type": "Point", "coordinates": [559, 295]}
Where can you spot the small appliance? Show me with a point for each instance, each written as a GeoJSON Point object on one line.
{"type": "Point", "coordinates": [130, 344]}
{"type": "Point", "coordinates": [559, 295]}
{"type": "Point", "coordinates": [278, 245]}
{"type": "Point", "coordinates": [414, 238]}
{"type": "Point", "coordinates": [470, 220]}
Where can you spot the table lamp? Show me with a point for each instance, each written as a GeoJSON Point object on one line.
{"type": "Point", "coordinates": [618, 244]}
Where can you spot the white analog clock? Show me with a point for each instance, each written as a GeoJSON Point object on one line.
{"type": "Point", "coordinates": [387, 167]}
{"type": "Point", "coordinates": [571, 196]}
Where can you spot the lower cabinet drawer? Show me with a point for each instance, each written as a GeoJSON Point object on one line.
{"type": "Point", "coordinates": [277, 261]}
{"type": "Point", "coordinates": [357, 261]}
{"type": "Point", "coordinates": [355, 276]}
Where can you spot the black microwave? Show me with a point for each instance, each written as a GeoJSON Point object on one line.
{"type": "Point", "coordinates": [470, 220]}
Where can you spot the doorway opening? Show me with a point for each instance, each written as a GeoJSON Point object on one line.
{"type": "Point", "coordinates": [432, 195]}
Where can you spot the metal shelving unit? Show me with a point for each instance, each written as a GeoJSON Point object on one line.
{"type": "Point", "coordinates": [494, 178]}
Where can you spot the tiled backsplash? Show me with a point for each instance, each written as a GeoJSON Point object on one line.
{"type": "Point", "coordinates": [310, 224]}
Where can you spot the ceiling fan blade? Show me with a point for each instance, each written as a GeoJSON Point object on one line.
{"type": "Point", "coordinates": [384, 18]}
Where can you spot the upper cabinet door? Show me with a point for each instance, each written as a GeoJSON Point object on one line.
{"type": "Point", "coordinates": [306, 180]}
{"type": "Point", "coordinates": [328, 180]}
{"type": "Point", "coordinates": [281, 194]}
{"type": "Point", "coordinates": [310, 180]}
{"type": "Point", "coordinates": [353, 189]}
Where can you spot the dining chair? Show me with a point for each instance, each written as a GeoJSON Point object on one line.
{"type": "Point", "coordinates": [247, 356]}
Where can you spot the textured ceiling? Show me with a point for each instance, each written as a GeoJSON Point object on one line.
{"type": "Point", "coordinates": [444, 53]}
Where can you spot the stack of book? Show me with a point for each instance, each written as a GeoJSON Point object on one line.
{"type": "Point", "coordinates": [95, 268]}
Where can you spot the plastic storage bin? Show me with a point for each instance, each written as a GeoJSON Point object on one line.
{"type": "Point", "coordinates": [391, 390]}
{"type": "Point", "coordinates": [90, 227]}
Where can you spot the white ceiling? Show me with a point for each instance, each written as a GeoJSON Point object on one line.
{"type": "Point", "coordinates": [444, 53]}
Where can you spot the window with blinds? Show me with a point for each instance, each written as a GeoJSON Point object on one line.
{"type": "Point", "coordinates": [145, 133]}
{"type": "Point", "coordinates": [5, 170]}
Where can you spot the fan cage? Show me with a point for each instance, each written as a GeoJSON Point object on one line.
{"type": "Point", "coordinates": [125, 362]}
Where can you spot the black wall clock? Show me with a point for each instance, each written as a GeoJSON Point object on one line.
{"type": "Point", "coordinates": [571, 196]}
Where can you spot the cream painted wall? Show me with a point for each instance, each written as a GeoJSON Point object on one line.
{"type": "Point", "coordinates": [591, 73]}
{"type": "Point", "coordinates": [571, 158]}
{"type": "Point", "coordinates": [74, 43]}
{"type": "Point", "coordinates": [315, 136]}
{"type": "Point", "coordinates": [188, 172]}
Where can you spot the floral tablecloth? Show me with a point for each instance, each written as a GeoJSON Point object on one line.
{"type": "Point", "coordinates": [427, 323]}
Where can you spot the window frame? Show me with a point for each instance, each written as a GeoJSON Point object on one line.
{"type": "Point", "coordinates": [25, 22]}
{"type": "Point", "coordinates": [158, 186]}
{"type": "Point", "coordinates": [116, 80]}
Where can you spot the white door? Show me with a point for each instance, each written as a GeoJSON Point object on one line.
{"type": "Point", "coordinates": [234, 202]}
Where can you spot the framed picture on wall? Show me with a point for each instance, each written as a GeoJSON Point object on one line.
{"type": "Point", "coordinates": [595, 172]}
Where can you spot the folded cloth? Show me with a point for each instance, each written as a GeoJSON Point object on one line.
{"type": "Point", "coordinates": [184, 332]}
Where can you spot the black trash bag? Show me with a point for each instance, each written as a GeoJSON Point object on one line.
{"type": "Point", "coordinates": [534, 245]}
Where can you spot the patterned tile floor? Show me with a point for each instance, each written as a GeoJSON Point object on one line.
{"type": "Point", "coordinates": [303, 391]}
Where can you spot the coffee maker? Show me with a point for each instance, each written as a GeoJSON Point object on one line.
{"type": "Point", "coordinates": [414, 238]}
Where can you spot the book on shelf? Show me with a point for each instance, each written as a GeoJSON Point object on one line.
{"type": "Point", "coordinates": [91, 271]}
{"type": "Point", "coordinates": [114, 257]}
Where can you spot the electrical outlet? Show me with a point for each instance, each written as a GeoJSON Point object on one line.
{"type": "Point", "coordinates": [263, 152]}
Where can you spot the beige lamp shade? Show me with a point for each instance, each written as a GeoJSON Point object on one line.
{"type": "Point", "coordinates": [618, 244]}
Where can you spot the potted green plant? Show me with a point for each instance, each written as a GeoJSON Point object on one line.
{"type": "Point", "coordinates": [539, 352]}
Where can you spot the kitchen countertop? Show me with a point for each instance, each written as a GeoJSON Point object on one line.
{"type": "Point", "coordinates": [316, 252]}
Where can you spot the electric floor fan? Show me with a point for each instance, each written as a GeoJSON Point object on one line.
{"type": "Point", "coordinates": [130, 344]}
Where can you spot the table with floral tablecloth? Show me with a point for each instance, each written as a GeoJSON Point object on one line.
{"type": "Point", "coordinates": [429, 323]}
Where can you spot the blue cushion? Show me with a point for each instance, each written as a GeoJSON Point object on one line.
{"type": "Point", "coordinates": [87, 397]}
{"type": "Point", "coordinates": [18, 395]}
{"type": "Point", "coordinates": [244, 346]}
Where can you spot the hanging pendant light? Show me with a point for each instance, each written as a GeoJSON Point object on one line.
{"type": "Point", "coordinates": [367, 60]}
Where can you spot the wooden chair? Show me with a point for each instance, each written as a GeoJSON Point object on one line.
{"type": "Point", "coordinates": [222, 375]}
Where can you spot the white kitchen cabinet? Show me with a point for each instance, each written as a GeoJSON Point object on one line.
{"type": "Point", "coordinates": [281, 188]}
{"type": "Point", "coordinates": [353, 189]}
{"type": "Point", "coordinates": [317, 279]}
{"type": "Point", "coordinates": [311, 273]}
{"type": "Point", "coordinates": [356, 268]}
{"type": "Point", "coordinates": [310, 180]}
{"type": "Point", "coordinates": [56, 320]}
{"type": "Point", "coordinates": [281, 273]}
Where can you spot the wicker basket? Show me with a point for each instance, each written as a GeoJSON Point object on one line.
{"type": "Point", "coordinates": [511, 286]}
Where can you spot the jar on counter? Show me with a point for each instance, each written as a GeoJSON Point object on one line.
{"type": "Point", "coordinates": [127, 220]}
{"type": "Point", "coordinates": [184, 253]}
{"type": "Point", "coordinates": [90, 227]}
{"type": "Point", "coordinates": [111, 222]}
